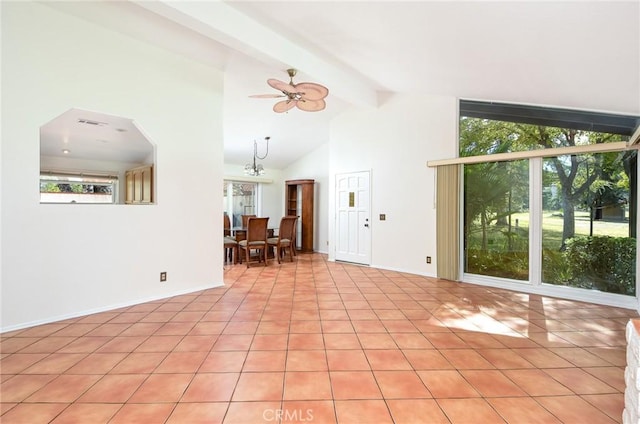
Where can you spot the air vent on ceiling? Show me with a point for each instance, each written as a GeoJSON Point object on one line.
{"type": "Point", "coordinates": [90, 122]}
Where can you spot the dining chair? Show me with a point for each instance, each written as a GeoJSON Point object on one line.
{"type": "Point", "coordinates": [286, 238]}
{"type": "Point", "coordinates": [241, 234]}
{"type": "Point", "coordinates": [230, 247]}
{"type": "Point", "coordinates": [256, 240]}
{"type": "Point", "coordinates": [227, 225]}
{"type": "Point", "coordinates": [230, 242]}
{"type": "Point", "coordinates": [245, 218]}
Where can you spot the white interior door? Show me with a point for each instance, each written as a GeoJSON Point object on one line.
{"type": "Point", "coordinates": [353, 231]}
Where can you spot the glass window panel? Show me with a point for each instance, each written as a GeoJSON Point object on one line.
{"type": "Point", "coordinates": [588, 214]}
{"type": "Point", "coordinates": [479, 136]}
{"type": "Point", "coordinates": [240, 199]}
{"type": "Point", "coordinates": [496, 219]}
{"type": "Point", "coordinates": [588, 238]}
{"type": "Point", "coordinates": [72, 188]}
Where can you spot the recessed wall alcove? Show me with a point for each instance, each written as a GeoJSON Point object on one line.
{"type": "Point", "coordinates": [95, 158]}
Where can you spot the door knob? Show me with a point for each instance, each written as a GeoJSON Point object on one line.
{"type": "Point", "coordinates": [366, 225]}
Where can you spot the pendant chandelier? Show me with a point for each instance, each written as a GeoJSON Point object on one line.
{"type": "Point", "coordinates": [253, 169]}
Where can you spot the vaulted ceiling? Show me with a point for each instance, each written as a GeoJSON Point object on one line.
{"type": "Point", "coordinates": [574, 54]}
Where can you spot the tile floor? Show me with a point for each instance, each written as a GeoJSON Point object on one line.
{"type": "Point", "coordinates": [321, 342]}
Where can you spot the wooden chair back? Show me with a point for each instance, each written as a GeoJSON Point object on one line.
{"type": "Point", "coordinates": [245, 219]}
{"type": "Point", "coordinates": [227, 225]}
{"type": "Point", "coordinates": [257, 229]}
{"type": "Point", "coordinates": [287, 229]}
{"type": "Point", "coordinates": [256, 239]}
{"type": "Point", "coordinates": [286, 238]}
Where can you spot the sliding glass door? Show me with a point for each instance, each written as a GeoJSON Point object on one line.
{"type": "Point", "coordinates": [587, 237]}
{"type": "Point", "coordinates": [240, 198]}
{"type": "Point", "coordinates": [550, 200]}
{"type": "Point", "coordinates": [496, 219]}
{"type": "Point", "coordinates": [586, 212]}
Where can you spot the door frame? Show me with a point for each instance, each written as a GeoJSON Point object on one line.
{"type": "Point", "coordinates": [336, 176]}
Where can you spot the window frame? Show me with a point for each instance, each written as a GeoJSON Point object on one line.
{"type": "Point", "coordinates": [535, 284]}
{"type": "Point", "coordinates": [66, 177]}
{"type": "Point", "coordinates": [535, 157]}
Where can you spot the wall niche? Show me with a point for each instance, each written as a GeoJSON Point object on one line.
{"type": "Point", "coordinates": [96, 158]}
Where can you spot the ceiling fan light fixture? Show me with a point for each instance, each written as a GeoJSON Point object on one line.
{"type": "Point", "coordinates": [307, 96]}
{"type": "Point", "coordinates": [312, 91]}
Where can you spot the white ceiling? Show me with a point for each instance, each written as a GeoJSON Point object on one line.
{"type": "Point", "coordinates": [576, 54]}
{"type": "Point", "coordinates": [82, 134]}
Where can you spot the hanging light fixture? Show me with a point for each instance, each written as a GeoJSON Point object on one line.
{"type": "Point", "coordinates": [253, 169]}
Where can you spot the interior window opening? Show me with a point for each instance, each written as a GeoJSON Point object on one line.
{"type": "Point", "coordinates": [94, 157]}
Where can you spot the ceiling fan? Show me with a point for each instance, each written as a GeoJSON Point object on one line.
{"type": "Point", "coordinates": [307, 96]}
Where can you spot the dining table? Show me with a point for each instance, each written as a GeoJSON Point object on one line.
{"type": "Point", "coordinates": [240, 233]}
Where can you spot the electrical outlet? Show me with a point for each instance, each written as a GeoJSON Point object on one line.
{"type": "Point", "coordinates": [428, 259]}
{"type": "Point", "coordinates": [163, 276]}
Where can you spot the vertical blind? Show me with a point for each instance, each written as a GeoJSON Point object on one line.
{"type": "Point", "coordinates": [448, 221]}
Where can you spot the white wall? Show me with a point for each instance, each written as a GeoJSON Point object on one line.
{"type": "Point", "coordinates": [394, 142]}
{"type": "Point", "coordinates": [315, 165]}
{"type": "Point", "coordinates": [66, 260]}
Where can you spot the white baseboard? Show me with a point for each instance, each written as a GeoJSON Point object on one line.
{"type": "Point", "coordinates": [104, 308]}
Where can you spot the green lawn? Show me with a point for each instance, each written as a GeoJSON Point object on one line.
{"type": "Point", "coordinates": [552, 224]}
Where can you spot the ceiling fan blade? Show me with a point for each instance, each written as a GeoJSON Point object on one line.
{"type": "Point", "coordinates": [311, 105]}
{"type": "Point", "coordinates": [282, 86]}
{"type": "Point", "coordinates": [266, 96]}
{"type": "Point", "coordinates": [312, 91]}
{"type": "Point", "coordinates": [284, 105]}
